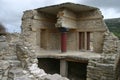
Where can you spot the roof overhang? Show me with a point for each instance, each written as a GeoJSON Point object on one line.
{"type": "Point", "coordinates": [71, 6]}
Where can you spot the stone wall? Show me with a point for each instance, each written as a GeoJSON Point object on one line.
{"type": "Point", "coordinates": [117, 63]}
{"type": "Point", "coordinates": [41, 29]}
{"type": "Point", "coordinates": [30, 65]}
{"type": "Point", "coordinates": [107, 67]}
{"type": "Point", "coordinates": [102, 69]}
{"type": "Point", "coordinates": [8, 58]}
{"type": "Point", "coordinates": [19, 62]}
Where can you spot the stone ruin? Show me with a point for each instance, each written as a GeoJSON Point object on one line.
{"type": "Point", "coordinates": [60, 42]}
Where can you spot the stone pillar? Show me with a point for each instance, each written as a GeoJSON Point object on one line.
{"type": "Point", "coordinates": [88, 40]}
{"type": "Point", "coordinates": [85, 39]}
{"type": "Point", "coordinates": [81, 40]}
{"type": "Point", "coordinates": [63, 68]}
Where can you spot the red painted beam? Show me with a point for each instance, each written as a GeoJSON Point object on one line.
{"type": "Point", "coordinates": [63, 41]}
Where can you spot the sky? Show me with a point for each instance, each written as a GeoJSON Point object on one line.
{"type": "Point", "coordinates": [11, 11]}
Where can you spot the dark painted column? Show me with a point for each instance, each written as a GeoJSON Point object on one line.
{"type": "Point", "coordinates": [63, 39]}
{"type": "Point", "coordinates": [88, 40]}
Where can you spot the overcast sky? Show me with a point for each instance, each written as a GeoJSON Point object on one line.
{"type": "Point", "coordinates": [11, 11]}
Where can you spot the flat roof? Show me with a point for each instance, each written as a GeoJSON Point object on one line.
{"type": "Point", "coordinates": [53, 9]}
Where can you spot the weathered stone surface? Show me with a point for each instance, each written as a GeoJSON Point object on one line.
{"type": "Point", "coordinates": [17, 51]}
{"type": "Point", "coordinates": [29, 62]}
{"type": "Point", "coordinates": [110, 43]}
{"type": "Point", "coordinates": [53, 77]}
{"type": "Point", "coordinates": [4, 64]}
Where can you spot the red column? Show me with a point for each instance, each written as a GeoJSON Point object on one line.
{"type": "Point", "coordinates": [63, 41]}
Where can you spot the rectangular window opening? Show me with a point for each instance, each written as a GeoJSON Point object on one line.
{"type": "Point", "coordinates": [85, 41]}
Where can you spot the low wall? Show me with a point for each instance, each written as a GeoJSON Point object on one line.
{"type": "Point", "coordinates": [102, 69]}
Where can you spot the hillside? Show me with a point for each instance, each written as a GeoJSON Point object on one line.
{"type": "Point", "coordinates": [114, 25]}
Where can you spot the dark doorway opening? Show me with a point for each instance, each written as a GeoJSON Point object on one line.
{"type": "Point", "coordinates": [50, 65]}
{"type": "Point", "coordinates": [77, 71]}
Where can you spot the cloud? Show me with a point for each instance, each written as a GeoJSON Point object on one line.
{"type": "Point", "coordinates": [12, 10]}
{"type": "Point", "coordinates": [110, 12]}
{"type": "Point", "coordinates": [103, 3]}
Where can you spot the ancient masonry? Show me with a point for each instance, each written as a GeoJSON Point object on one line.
{"type": "Point", "coordinates": [60, 42]}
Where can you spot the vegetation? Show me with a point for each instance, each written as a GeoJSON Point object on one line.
{"type": "Point", "coordinates": [114, 26]}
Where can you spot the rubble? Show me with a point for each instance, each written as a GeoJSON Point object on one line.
{"type": "Point", "coordinates": [19, 53]}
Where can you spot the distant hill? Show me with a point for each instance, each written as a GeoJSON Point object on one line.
{"type": "Point", "coordinates": [114, 25]}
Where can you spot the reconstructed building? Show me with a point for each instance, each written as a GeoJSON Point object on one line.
{"type": "Point", "coordinates": [68, 39]}
{"type": "Point", "coordinates": [71, 39]}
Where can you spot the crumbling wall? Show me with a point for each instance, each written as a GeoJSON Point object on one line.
{"type": "Point", "coordinates": [117, 63]}
{"type": "Point", "coordinates": [8, 58]}
{"type": "Point", "coordinates": [33, 22]}
{"type": "Point", "coordinates": [20, 63]}
{"type": "Point", "coordinates": [104, 68]}
{"type": "Point", "coordinates": [101, 69]}
{"type": "Point", "coordinates": [30, 63]}
{"type": "Point", "coordinates": [29, 33]}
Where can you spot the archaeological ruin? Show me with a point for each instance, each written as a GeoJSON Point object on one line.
{"type": "Point", "coordinates": [60, 42]}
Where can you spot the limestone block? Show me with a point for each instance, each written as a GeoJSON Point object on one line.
{"type": "Point", "coordinates": [2, 38]}
{"type": "Point", "coordinates": [3, 45]}
{"type": "Point", "coordinates": [69, 13]}
{"type": "Point", "coordinates": [69, 23]}
{"type": "Point", "coordinates": [110, 43]}
{"type": "Point", "coordinates": [36, 71]}
{"type": "Point", "coordinates": [98, 38]}
{"type": "Point", "coordinates": [90, 14]}
{"type": "Point", "coordinates": [1, 72]}
{"type": "Point", "coordinates": [4, 64]}
{"type": "Point", "coordinates": [25, 77]}
{"type": "Point", "coordinates": [15, 63]}
{"type": "Point", "coordinates": [91, 25]}
{"type": "Point", "coordinates": [0, 77]}
{"type": "Point", "coordinates": [26, 24]}
{"type": "Point", "coordinates": [54, 77]}
{"type": "Point", "coordinates": [27, 14]}
{"type": "Point", "coordinates": [43, 16]}
{"type": "Point", "coordinates": [42, 24]}
{"type": "Point", "coordinates": [15, 72]}
{"type": "Point", "coordinates": [4, 78]}
{"type": "Point", "coordinates": [67, 19]}
{"type": "Point", "coordinates": [6, 72]}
